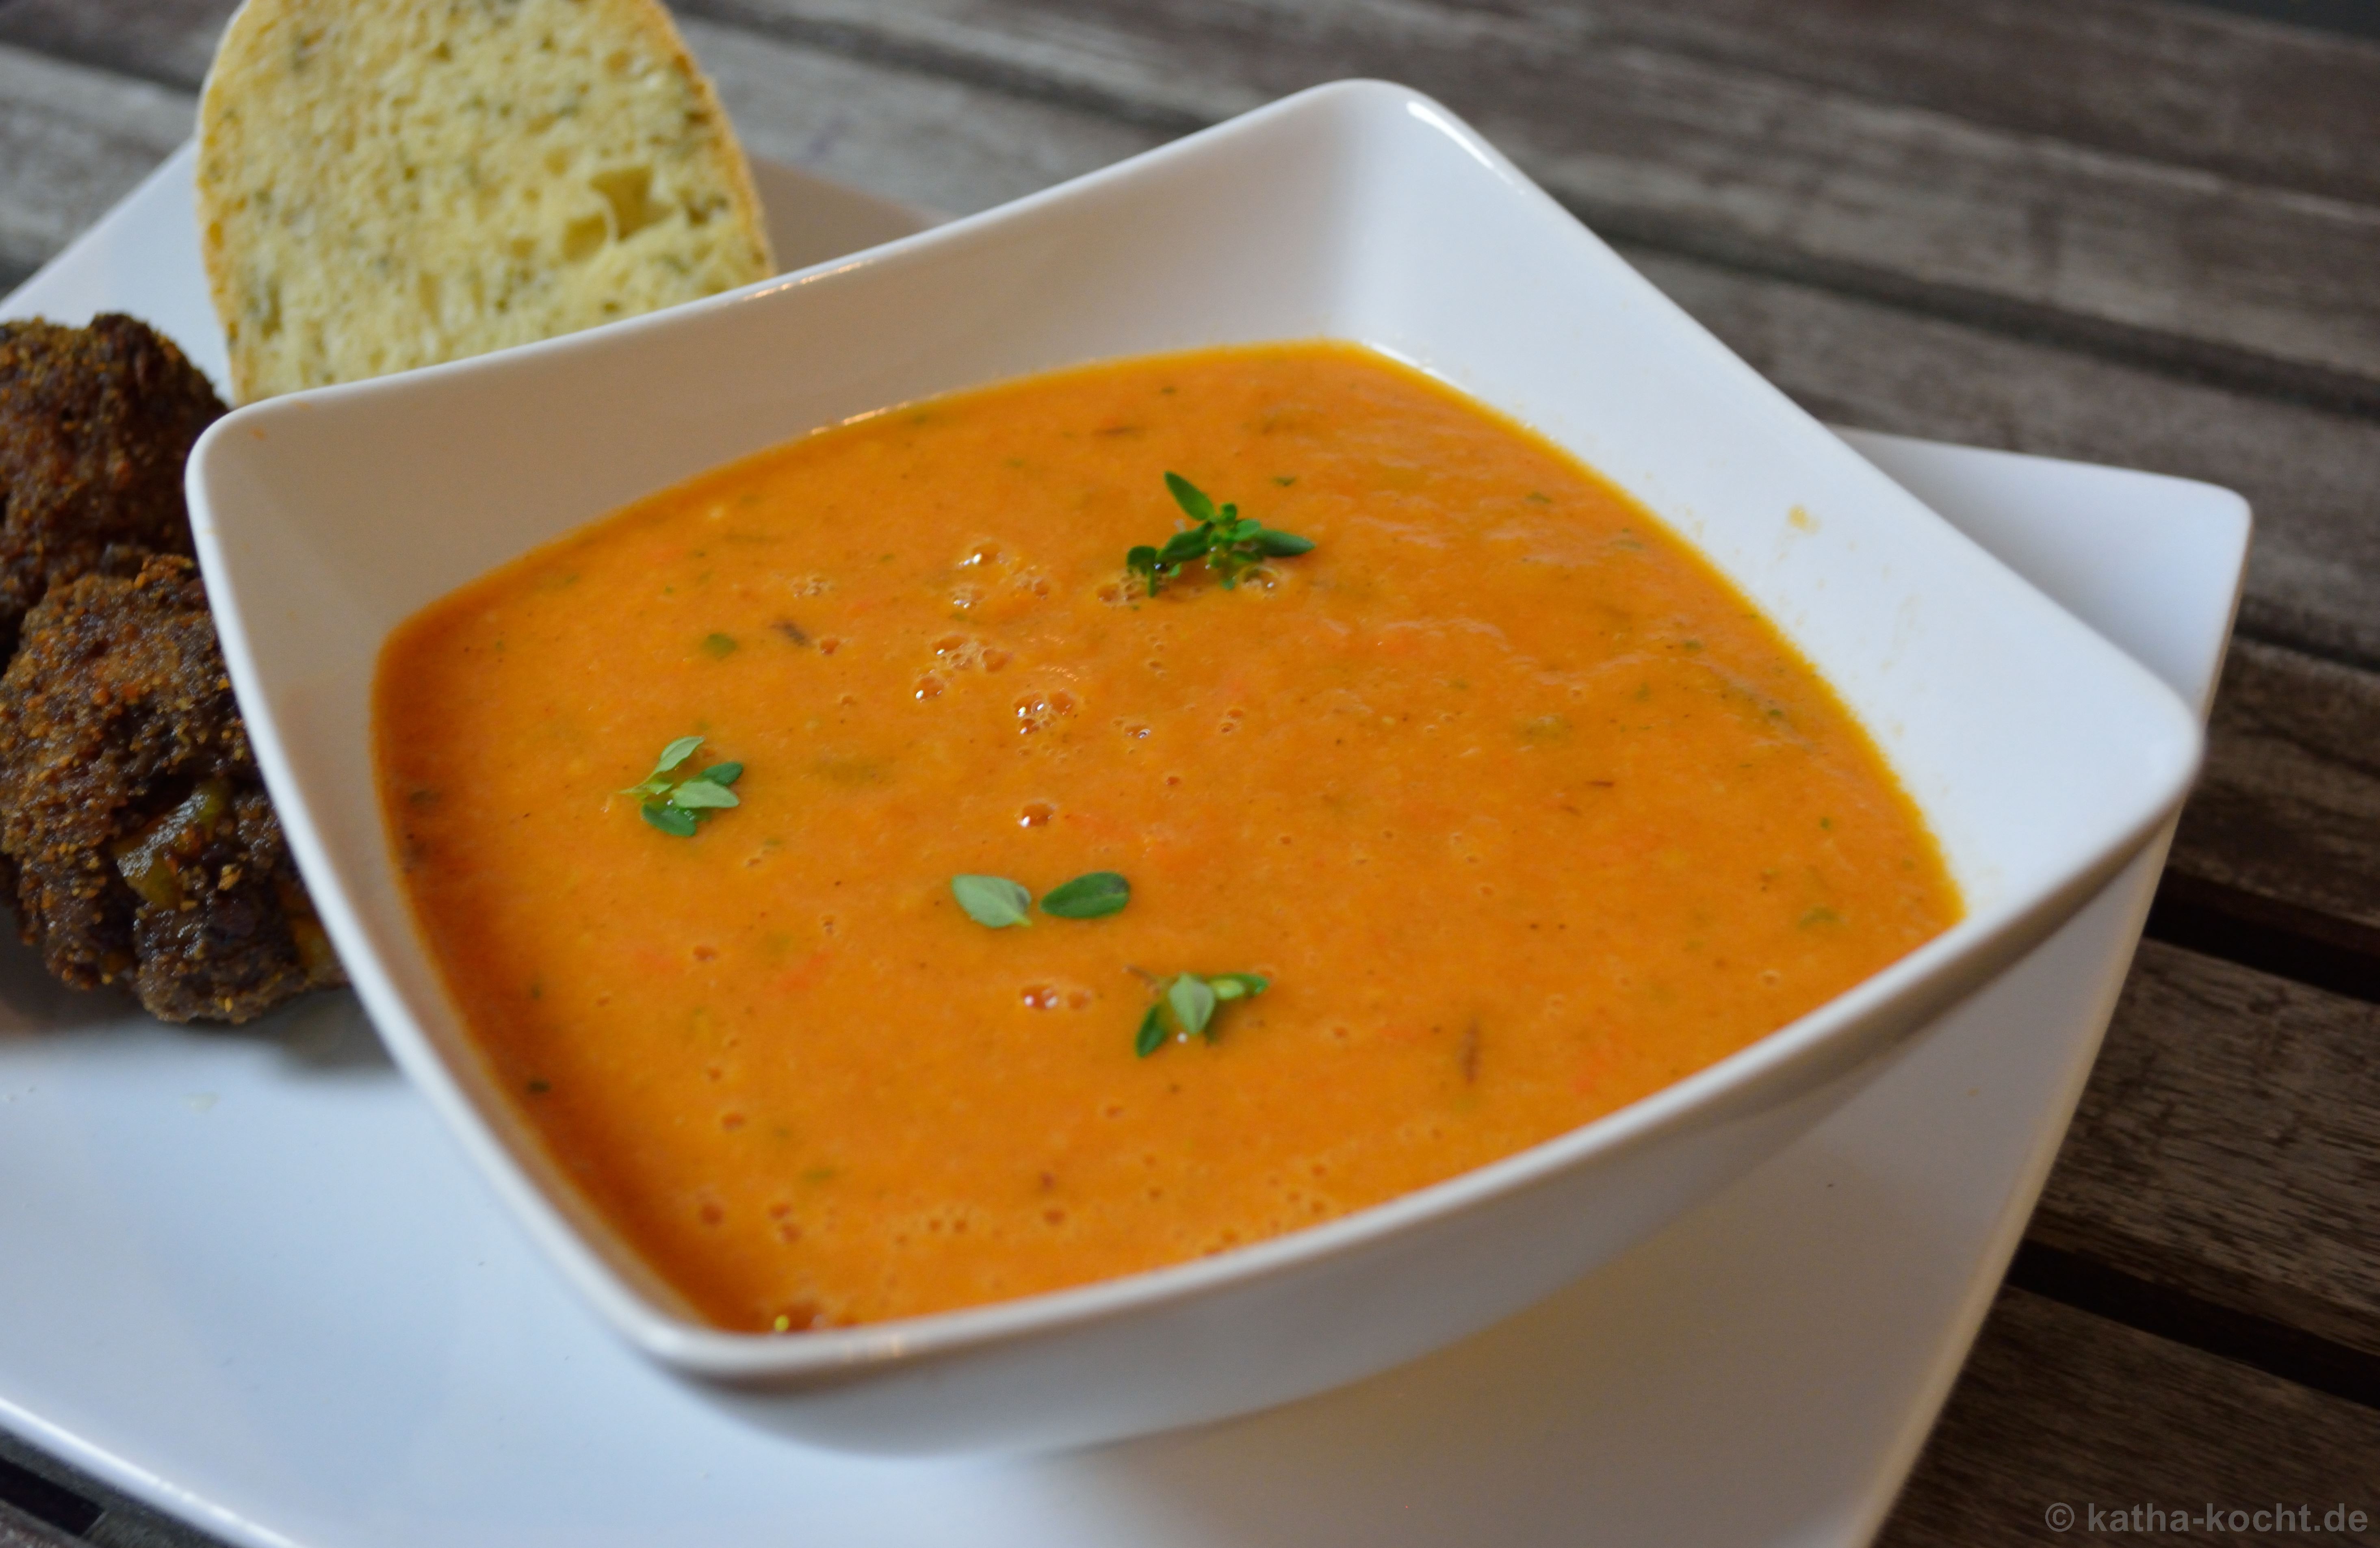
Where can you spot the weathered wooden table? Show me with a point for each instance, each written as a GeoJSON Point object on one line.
{"type": "Point", "coordinates": [2128, 231]}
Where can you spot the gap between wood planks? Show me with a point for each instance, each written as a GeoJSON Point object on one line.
{"type": "Point", "coordinates": [2359, 19]}
{"type": "Point", "coordinates": [2274, 1348]}
{"type": "Point", "coordinates": [51, 1504]}
{"type": "Point", "coordinates": [2265, 934]}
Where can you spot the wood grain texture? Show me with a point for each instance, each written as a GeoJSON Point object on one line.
{"type": "Point", "coordinates": [1719, 159]}
{"type": "Point", "coordinates": [2253, 101]}
{"type": "Point", "coordinates": [72, 142]}
{"type": "Point", "coordinates": [169, 42]}
{"type": "Point", "coordinates": [934, 143]}
{"type": "Point", "coordinates": [2311, 476]}
{"type": "Point", "coordinates": [19, 1531]}
{"type": "Point", "coordinates": [2289, 806]}
{"type": "Point", "coordinates": [2228, 1145]}
{"type": "Point", "coordinates": [2173, 186]}
{"type": "Point", "coordinates": [2058, 1405]}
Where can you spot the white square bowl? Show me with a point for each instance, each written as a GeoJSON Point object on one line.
{"type": "Point", "coordinates": [2043, 757]}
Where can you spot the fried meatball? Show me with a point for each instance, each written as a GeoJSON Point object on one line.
{"type": "Point", "coordinates": [138, 841]}
{"type": "Point", "coordinates": [95, 423]}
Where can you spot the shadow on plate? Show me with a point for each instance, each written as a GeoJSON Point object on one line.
{"type": "Point", "coordinates": [324, 1030]}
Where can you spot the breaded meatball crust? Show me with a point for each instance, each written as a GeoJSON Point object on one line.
{"type": "Point", "coordinates": [142, 846]}
{"type": "Point", "coordinates": [95, 423]}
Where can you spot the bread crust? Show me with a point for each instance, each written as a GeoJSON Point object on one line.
{"type": "Point", "coordinates": [385, 184]}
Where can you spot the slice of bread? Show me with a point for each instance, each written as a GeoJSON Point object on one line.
{"type": "Point", "coordinates": [385, 184]}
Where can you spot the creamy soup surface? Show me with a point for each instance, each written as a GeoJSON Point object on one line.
{"type": "Point", "coordinates": [1519, 811]}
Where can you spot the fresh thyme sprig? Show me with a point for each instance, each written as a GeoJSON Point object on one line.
{"type": "Point", "coordinates": [674, 805]}
{"type": "Point", "coordinates": [1230, 543]}
{"type": "Point", "coordinates": [1188, 1003]}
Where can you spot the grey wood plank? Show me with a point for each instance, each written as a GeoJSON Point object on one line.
{"type": "Point", "coordinates": [936, 142]}
{"type": "Point", "coordinates": [1856, 145]}
{"type": "Point", "coordinates": [19, 1531]}
{"type": "Point", "coordinates": [2289, 806]}
{"type": "Point", "coordinates": [2249, 98]}
{"type": "Point", "coordinates": [73, 140]}
{"type": "Point", "coordinates": [170, 42]}
{"type": "Point", "coordinates": [2229, 1145]}
{"type": "Point", "coordinates": [1757, 169]}
{"type": "Point", "coordinates": [2313, 475]}
{"type": "Point", "coordinates": [2355, 19]}
{"type": "Point", "coordinates": [2056, 1406]}
{"type": "Point", "coordinates": [2253, 101]}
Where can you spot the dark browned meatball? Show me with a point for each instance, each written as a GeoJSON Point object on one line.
{"type": "Point", "coordinates": [139, 842]}
{"type": "Point", "coordinates": [95, 423]}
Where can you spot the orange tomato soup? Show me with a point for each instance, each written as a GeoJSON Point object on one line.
{"type": "Point", "coordinates": [1521, 810]}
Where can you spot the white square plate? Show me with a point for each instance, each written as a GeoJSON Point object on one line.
{"type": "Point", "coordinates": [249, 1280]}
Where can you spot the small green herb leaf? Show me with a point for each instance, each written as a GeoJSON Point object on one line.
{"type": "Point", "coordinates": [672, 756]}
{"type": "Point", "coordinates": [1234, 985]}
{"type": "Point", "coordinates": [1092, 896]}
{"type": "Point", "coordinates": [701, 794]}
{"type": "Point", "coordinates": [995, 901]}
{"type": "Point", "coordinates": [1192, 1000]}
{"type": "Point", "coordinates": [719, 646]}
{"type": "Point", "coordinates": [723, 773]}
{"type": "Point", "coordinates": [1152, 1033]}
{"type": "Point", "coordinates": [669, 820]}
{"type": "Point", "coordinates": [1230, 543]}
{"type": "Point", "coordinates": [1191, 498]}
{"type": "Point", "coordinates": [1186, 546]}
